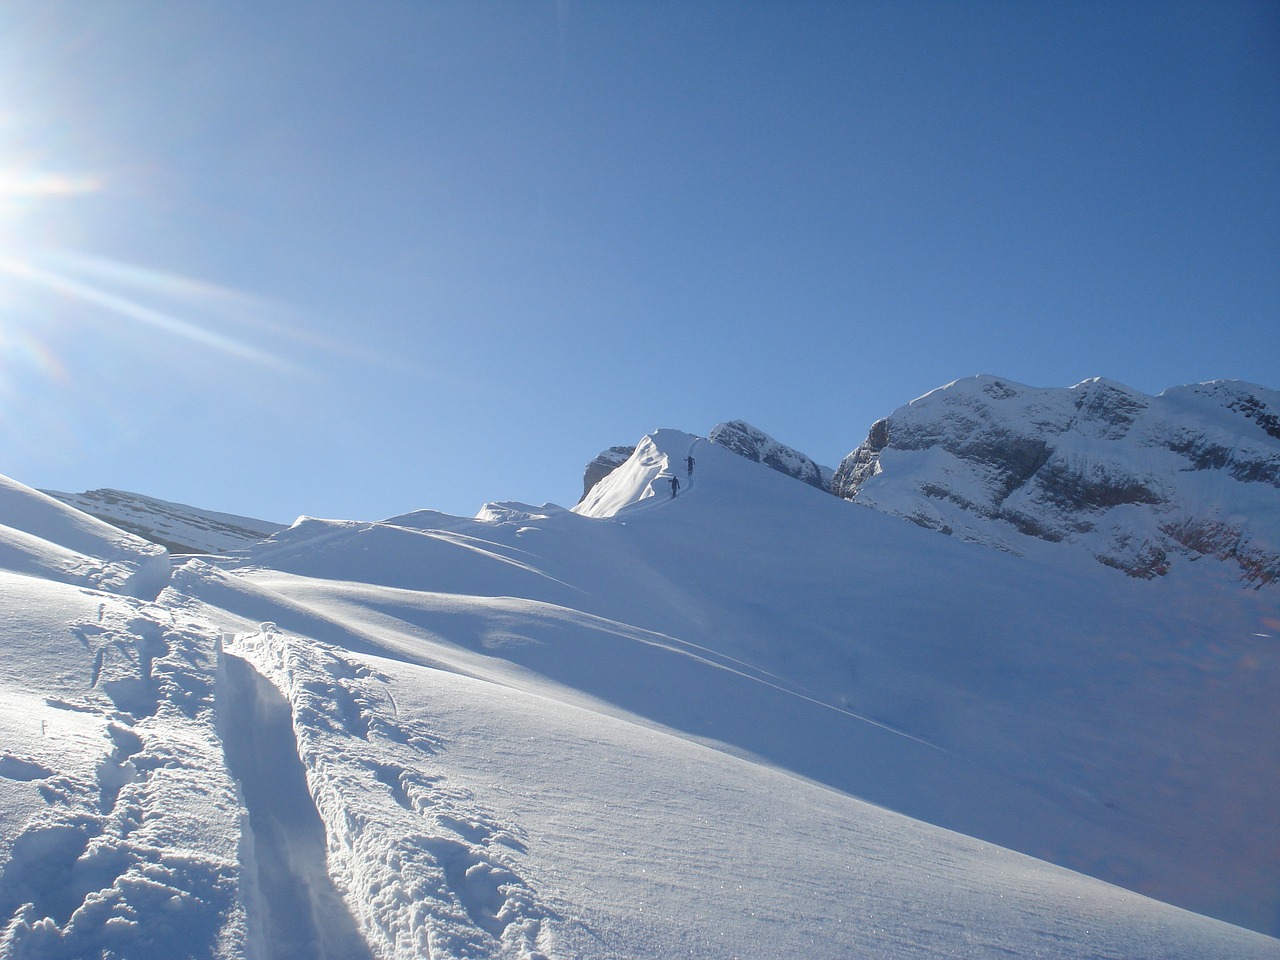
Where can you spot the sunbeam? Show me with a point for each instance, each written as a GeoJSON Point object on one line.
{"type": "Point", "coordinates": [237, 306]}
{"type": "Point", "coordinates": [68, 286]}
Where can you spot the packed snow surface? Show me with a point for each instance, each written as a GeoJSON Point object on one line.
{"type": "Point", "coordinates": [750, 720]}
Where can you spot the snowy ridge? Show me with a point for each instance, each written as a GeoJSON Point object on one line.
{"type": "Point", "coordinates": [1141, 483]}
{"type": "Point", "coordinates": [642, 476]}
{"type": "Point", "coordinates": [750, 720]}
{"type": "Point", "coordinates": [604, 464]}
{"type": "Point", "coordinates": [175, 526]}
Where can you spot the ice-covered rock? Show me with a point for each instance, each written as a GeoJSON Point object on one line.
{"type": "Point", "coordinates": [1139, 481]}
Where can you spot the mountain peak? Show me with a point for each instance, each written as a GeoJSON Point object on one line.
{"type": "Point", "coordinates": [644, 475]}
{"type": "Point", "coordinates": [1139, 482]}
{"type": "Point", "coordinates": [756, 445]}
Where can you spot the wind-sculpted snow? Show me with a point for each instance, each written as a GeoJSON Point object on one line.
{"type": "Point", "coordinates": [1142, 483]}
{"type": "Point", "coordinates": [604, 464]}
{"type": "Point", "coordinates": [642, 477]}
{"type": "Point", "coordinates": [750, 720]}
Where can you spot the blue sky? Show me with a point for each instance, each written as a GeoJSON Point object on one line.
{"type": "Point", "coordinates": [352, 259]}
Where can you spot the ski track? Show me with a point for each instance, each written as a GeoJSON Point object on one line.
{"type": "Point", "coordinates": [429, 869]}
{"type": "Point", "coordinates": [302, 913]}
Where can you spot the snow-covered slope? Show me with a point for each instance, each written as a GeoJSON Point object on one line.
{"type": "Point", "coordinates": [176, 526]}
{"type": "Point", "coordinates": [605, 462]}
{"type": "Point", "coordinates": [752, 720]}
{"type": "Point", "coordinates": [41, 537]}
{"type": "Point", "coordinates": [1141, 483]}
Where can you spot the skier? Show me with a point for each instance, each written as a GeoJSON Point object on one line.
{"type": "Point", "coordinates": [675, 485]}
{"type": "Point", "coordinates": [689, 461]}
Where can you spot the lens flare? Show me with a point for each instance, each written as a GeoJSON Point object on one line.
{"type": "Point", "coordinates": [36, 184]}
{"type": "Point", "coordinates": [131, 309]}
{"type": "Point", "coordinates": [228, 306]}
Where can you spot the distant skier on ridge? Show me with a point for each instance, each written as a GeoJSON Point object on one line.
{"type": "Point", "coordinates": [675, 485]}
{"type": "Point", "coordinates": [689, 461]}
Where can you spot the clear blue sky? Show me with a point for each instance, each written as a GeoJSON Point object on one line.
{"type": "Point", "coordinates": [352, 259]}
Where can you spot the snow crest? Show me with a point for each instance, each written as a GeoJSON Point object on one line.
{"type": "Point", "coordinates": [643, 479]}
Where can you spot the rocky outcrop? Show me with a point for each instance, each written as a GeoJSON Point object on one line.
{"type": "Point", "coordinates": [1141, 482]}
{"type": "Point", "coordinates": [862, 463]}
{"type": "Point", "coordinates": [604, 464]}
{"type": "Point", "coordinates": [756, 445]}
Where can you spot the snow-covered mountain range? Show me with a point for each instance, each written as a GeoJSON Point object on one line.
{"type": "Point", "coordinates": [751, 720]}
{"type": "Point", "coordinates": [1142, 483]}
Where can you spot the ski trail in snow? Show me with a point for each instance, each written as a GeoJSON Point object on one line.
{"type": "Point", "coordinates": [658, 499]}
{"type": "Point", "coordinates": [302, 914]}
{"type": "Point", "coordinates": [688, 477]}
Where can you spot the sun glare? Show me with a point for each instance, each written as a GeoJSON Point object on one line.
{"type": "Point", "coordinates": [24, 191]}
{"type": "Point", "coordinates": [21, 183]}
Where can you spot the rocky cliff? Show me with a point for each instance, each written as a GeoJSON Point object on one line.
{"type": "Point", "coordinates": [746, 441]}
{"type": "Point", "coordinates": [1141, 482]}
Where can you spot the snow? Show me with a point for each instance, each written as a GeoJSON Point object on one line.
{"type": "Point", "coordinates": [750, 721]}
{"type": "Point", "coordinates": [44, 538]}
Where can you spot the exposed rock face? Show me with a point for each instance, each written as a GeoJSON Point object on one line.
{"type": "Point", "coordinates": [746, 441]}
{"type": "Point", "coordinates": [604, 464]}
{"type": "Point", "coordinates": [180, 528]}
{"type": "Point", "coordinates": [862, 463]}
{"type": "Point", "coordinates": [1141, 482]}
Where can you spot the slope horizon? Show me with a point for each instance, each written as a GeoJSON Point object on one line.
{"type": "Point", "coordinates": [574, 469]}
{"type": "Point", "coordinates": [436, 667]}
{"type": "Point", "coordinates": [350, 259]}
